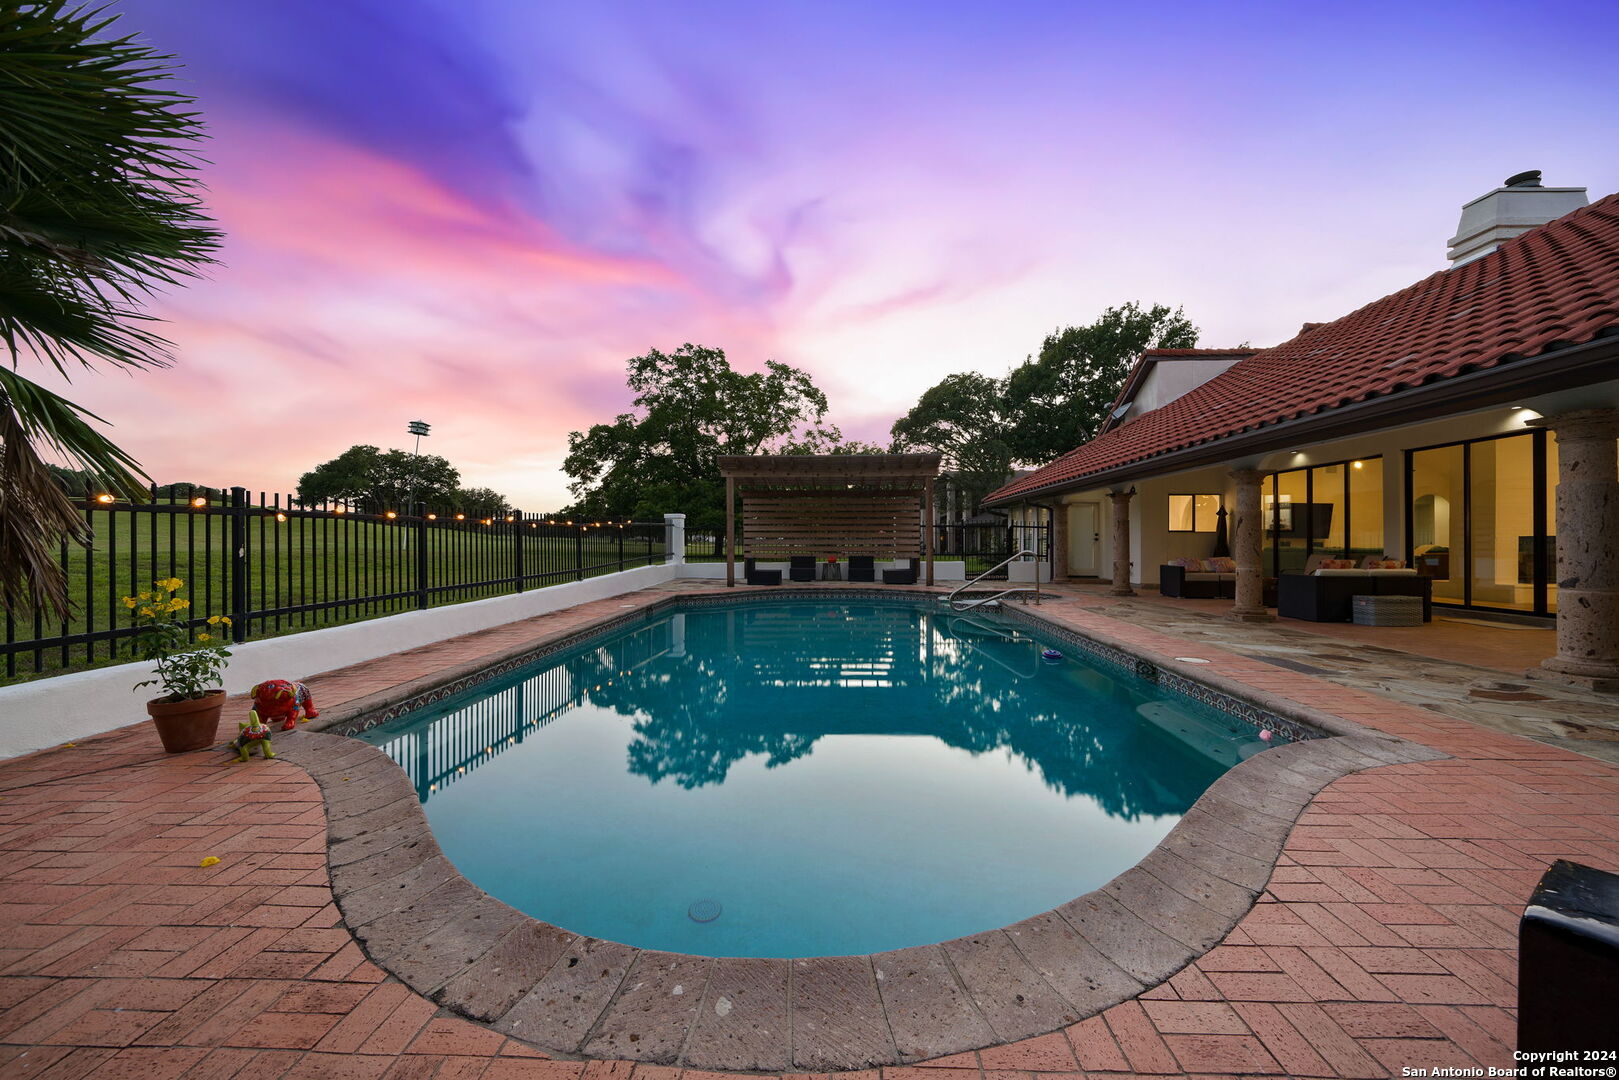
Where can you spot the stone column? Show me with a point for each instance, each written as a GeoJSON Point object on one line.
{"type": "Point", "coordinates": [1121, 543]}
{"type": "Point", "coordinates": [1247, 536]}
{"type": "Point", "coordinates": [1587, 548]}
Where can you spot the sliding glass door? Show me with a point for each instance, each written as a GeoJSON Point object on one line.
{"type": "Point", "coordinates": [1478, 521]}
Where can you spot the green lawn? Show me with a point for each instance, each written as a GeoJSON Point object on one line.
{"type": "Point", "coordinates": [323, 559]}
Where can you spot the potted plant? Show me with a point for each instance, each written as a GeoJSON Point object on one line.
{"type": "Point", "coordinates": [188, 670]}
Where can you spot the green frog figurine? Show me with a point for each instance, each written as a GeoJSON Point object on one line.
{"type": "Point", "coordinates": [250, 733]}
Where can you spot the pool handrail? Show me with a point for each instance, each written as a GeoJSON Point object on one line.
{"type": "Point", "coordinates": [968, 605]}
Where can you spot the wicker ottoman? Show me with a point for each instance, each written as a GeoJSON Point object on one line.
{"type": "Point", "coordinates": [1388, 611]}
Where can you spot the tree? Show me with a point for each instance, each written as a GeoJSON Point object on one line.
{"type": "Point", "coordinates": [962, 417]}
{"type": "Point", "coordinates": [691, 408]}
{"type": "Point", "coordinates": [378, 480]}
{"type": "Point", "coordinates": [98, 208]}
{"type": "Point", "coordinates": [480, 502]}
{"type": "Point", "coordinates": [1058, 399]}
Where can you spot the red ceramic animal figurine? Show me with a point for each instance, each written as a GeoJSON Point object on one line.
{"type": "Point", "coordinates": [279, 699]}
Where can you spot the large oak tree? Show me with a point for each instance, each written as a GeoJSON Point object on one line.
{"type": "Point", "coordinates": [691, 407]}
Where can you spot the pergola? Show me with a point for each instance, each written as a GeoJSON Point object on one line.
{"type": "Point", "coordinates": [830, 504]}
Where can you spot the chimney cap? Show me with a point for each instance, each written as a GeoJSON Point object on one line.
{"type": "Point", "coordinates": [1528, 178]}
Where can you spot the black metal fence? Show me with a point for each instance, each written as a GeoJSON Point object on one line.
{"type": "Point", "coordinates": [979, 546]}
{"type": "Point", "coordinates": [983, 546]}
{"type": "Point", "coordinates": [274, 566]}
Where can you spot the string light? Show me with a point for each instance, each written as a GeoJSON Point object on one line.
{"type": "Point", "coordinates": [104, 499]}
{"type": "Point", "coordinates": [341, 510]}
{"type": "Point", "coordinates": [390, 515]}
{"type": "Point", "coordinates": [432, 517]}
{"type": "Point", "coordinates": [199, 501]}
{"type": "Point", "coordinates": [460, 517]}
{"type": "Point", "coordinates": [280, 516]}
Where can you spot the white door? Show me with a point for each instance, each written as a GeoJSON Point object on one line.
{"type": "Point", "coordinates": [1084, 523]}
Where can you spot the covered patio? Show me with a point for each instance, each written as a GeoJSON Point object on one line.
{"type": "Point", "coordinates": [829, 505]}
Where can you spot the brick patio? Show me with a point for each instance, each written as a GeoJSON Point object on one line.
{"type": "Point", "coordinates": [1384, 938]}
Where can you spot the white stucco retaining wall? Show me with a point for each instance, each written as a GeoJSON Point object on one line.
{"type": "Point", "coordinates": [49, 712]}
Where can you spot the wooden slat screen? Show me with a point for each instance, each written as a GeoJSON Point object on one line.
{"type": "Point", "coordinates": [879, 523]}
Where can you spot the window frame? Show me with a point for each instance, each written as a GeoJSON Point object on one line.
{"type": "Point", "coordinates": [1271, 485]}
{"type": "Point", "coordinates": [1194, 496]}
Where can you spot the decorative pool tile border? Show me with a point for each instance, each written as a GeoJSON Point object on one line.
{"type": "Point", "coordinates": [1143, 668]}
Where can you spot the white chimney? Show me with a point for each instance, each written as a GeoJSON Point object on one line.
{"type": "Point", "coordinates": [1518, 205]}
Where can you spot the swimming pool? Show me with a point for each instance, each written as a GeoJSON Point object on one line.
{"type": "Point", "coordinates": [806, 777]}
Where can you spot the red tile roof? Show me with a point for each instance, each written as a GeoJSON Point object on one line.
{"type": "Point", "coordinates": [1555, 286]}
{"type": "Point", "coordinates": [1182, 354]}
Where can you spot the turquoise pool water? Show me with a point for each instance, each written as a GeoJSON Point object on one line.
{"type": "Point", "coordinates": [806, 778]}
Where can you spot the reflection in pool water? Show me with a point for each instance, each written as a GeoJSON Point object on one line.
{"type": "Point", "coordinates": [837, 778]}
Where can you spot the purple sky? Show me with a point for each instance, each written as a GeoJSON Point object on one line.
{"type": "Point", "coordinates": [472, 211]}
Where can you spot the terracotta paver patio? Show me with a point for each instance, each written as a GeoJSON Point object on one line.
{"type": "Point", "coordinates": [1384, 938]}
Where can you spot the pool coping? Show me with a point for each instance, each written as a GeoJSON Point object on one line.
{"type": "Point", "coordinates": [418, 918]}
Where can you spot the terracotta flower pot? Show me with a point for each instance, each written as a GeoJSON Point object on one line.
{"type": "Point", "coordinates": [190, 724]}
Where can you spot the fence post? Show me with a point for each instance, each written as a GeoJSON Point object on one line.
{"type": "Point", "coordinates": [421, 556]}
{"type": "Point", "coordinates": [239, 540]}
{"type": "Point", "coordinates": [674, 539]}
{"type": "Point", "coordinates": [579, 554]}
{"type": "Point", "coordinates": [517, 542]}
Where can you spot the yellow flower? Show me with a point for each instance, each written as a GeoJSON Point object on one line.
{"type": "Point", "coordinates": [178, 604]}
{"type": "Point", "coordinates": [219, 620]}
{"type": "Point", "coordinates": [205, 637]}
{"type": "Point", "coordinates": [148, 612]}
{"type": "Point", "coordinates": [212, 860]}
{"type": "Point", "coordinates": [172, 584]}
{"type": "Point", "coordinates": [129, 601]}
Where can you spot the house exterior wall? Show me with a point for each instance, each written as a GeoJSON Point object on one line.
{"type": "Point", "coordinates": [1152, 544]}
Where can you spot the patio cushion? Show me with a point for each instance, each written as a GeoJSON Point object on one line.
{"type": "Point", "coordinates": [1222, 564]}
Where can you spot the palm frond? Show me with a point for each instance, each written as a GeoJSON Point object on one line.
{"type": "Point", "coordinates": [99, 206]}
{"type": "Point", "coordinates": [99, 197]}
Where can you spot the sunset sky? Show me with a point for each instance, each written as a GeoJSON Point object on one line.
{"type": "Point", "coordinates": [472, 211]}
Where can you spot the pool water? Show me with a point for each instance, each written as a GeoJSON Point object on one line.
{"type": "Point", "coordinates": [807, 778]}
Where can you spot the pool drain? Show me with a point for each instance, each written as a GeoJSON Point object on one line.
{"type": "Point", "coordinates": [704, 911]}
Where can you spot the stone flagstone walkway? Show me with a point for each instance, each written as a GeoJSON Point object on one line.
{"type": "Point", "coordinates": [1384, 938]}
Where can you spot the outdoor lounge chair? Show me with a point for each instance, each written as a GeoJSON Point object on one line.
{"type": "Point", "coordinates": [802, 568]}
{"type": "Point", "coordinates": [906, 576]}
{"type": "Point", "coordinates": [862, 568]}
{"type": "Point", "coordinates": [754, 576]}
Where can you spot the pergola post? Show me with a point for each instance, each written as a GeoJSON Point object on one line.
{"type": "Point", "coordinates": [927, 526]}
{"type": "Point", "coordinates": [730, 532]}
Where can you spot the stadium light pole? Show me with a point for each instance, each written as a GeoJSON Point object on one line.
{"type": "Point", "coordinates": [417, 428]}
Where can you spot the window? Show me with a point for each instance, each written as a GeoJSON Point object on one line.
{"type": "Point", "coordinates": [1193, 513]}
{"type": "Point", "coordinates": [1333, 509]}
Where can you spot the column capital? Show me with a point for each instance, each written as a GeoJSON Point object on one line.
{"type": "Point", "coordinates": [1581, 424]}
{"type": "Point", "coordinates": [1248, 476]}
{"type": "Point", "coordinates": [1121, 496]}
